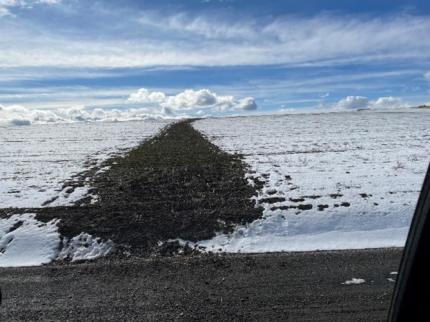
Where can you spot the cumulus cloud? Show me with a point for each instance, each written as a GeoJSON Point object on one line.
{"type": "Point", "coordinates": [141, 105]}
{"type": "Point", "coordinates": [192, 100]}
{"type": "Point", "coordinates": [353, 102]}
{"type": "Point", "coordinates": [362, 102]}
{"type": "Point", "coordinates": [19, 115]}
{"type": "Point", "coordinates": [388, 102]}
{"type": "Point", "coordinates": [145, 96]}
{"type": "Point", "coordinates": [247, 104]}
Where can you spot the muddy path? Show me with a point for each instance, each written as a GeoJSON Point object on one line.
{"type": "Point", "coordinates": [174, 185]}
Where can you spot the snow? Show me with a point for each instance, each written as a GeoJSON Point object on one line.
{"type": "Point", "coordinates": [354, 281]}
{"type": "Point", "coordinates": [253, 240]}
{"type": "Point", "coordinates": [364, 170]}
{"type": "Point", "coordinates": [66, 198]}
{"type": "Point", "coordinates": [24, 241]}
{"type": "Point", "coordinates": [35, 160]}
{"type": "Point", "coordinates": [85, 247]}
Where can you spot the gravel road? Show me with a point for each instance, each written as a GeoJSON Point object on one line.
{"type": "Point", "coordinates": [277, 287]}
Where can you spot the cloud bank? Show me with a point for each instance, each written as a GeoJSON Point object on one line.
{"type": "Point", "coordinates": [20, 116]}
{"type": "Point", "coordinates": [362, 102]}
{"type": "Point", "coordinates": [191, 100]}
{"type": "Point", "coordinates": [154, 105]}
{"type": "Point", "coordinates": [140, 105]}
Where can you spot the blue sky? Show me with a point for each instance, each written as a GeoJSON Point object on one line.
{"type": "Point", "coordinates": [210, 57]}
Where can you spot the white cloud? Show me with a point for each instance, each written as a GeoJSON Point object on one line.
{"type": "Point", "coordinates": [427, 76]}
{"type": "Point", "coordinates": [200, 40]}
{"type": "Point", "coordinates": [352, 102]}
{"type": "Point", "coordinates": [145, 96]}
{"type": "Point", "coordinates": [192, 100]}
{"type": "Point", "coordinates": [146, 105]}
{"type": "Point", "coordinates": [388, 102]}
{"type": "Point", "coordinates": [20, 115]}
{"type": "Point", "coordinates": [247, 104]}
{"type": "Point", "coordinates": [361, 102]}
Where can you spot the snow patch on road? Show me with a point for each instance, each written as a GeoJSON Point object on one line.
{"type": "Point", "coordinates": [256, 238]}
{"type": "Point", "coordinates": [354, 281]}
{"type": "Point", "coordinates": [85, 247]}
{"type": "Point", "coordinates": [25, 241]}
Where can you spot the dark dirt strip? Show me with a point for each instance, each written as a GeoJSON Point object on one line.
{"type": "Point", "coordinates": [175, 185]}
{"type": "Point", "coordinates": [262, 287]}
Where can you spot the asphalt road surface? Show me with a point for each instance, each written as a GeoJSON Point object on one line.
{"type": "Point", "coordinates": [259, 287]}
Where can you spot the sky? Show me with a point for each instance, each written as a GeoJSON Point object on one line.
{"type": "Point", "coordinates": [107, 60]}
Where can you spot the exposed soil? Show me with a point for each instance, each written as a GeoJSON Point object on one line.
{"type": "Point", "coordinates": [175, 185]}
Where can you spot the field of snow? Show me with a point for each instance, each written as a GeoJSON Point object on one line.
{"type": "Point", "coordinates": [35, 160]}
{"type": "Point", "coordinates": [326, 181]}
{"type": "Point", "coordinates": [329, 181]}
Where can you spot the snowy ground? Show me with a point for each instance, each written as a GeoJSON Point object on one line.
{"type": "Point", "coordinates": [35, 160]}
{"type": "Point", "coordinates": [25, 241]}
{"type": "Point", "coordinates": [331, 181]}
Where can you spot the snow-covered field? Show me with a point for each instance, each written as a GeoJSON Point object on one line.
{"type": "Point", "coordinates": [35, 160]}
{"type": "Point", "coordinates": [331, 181]}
